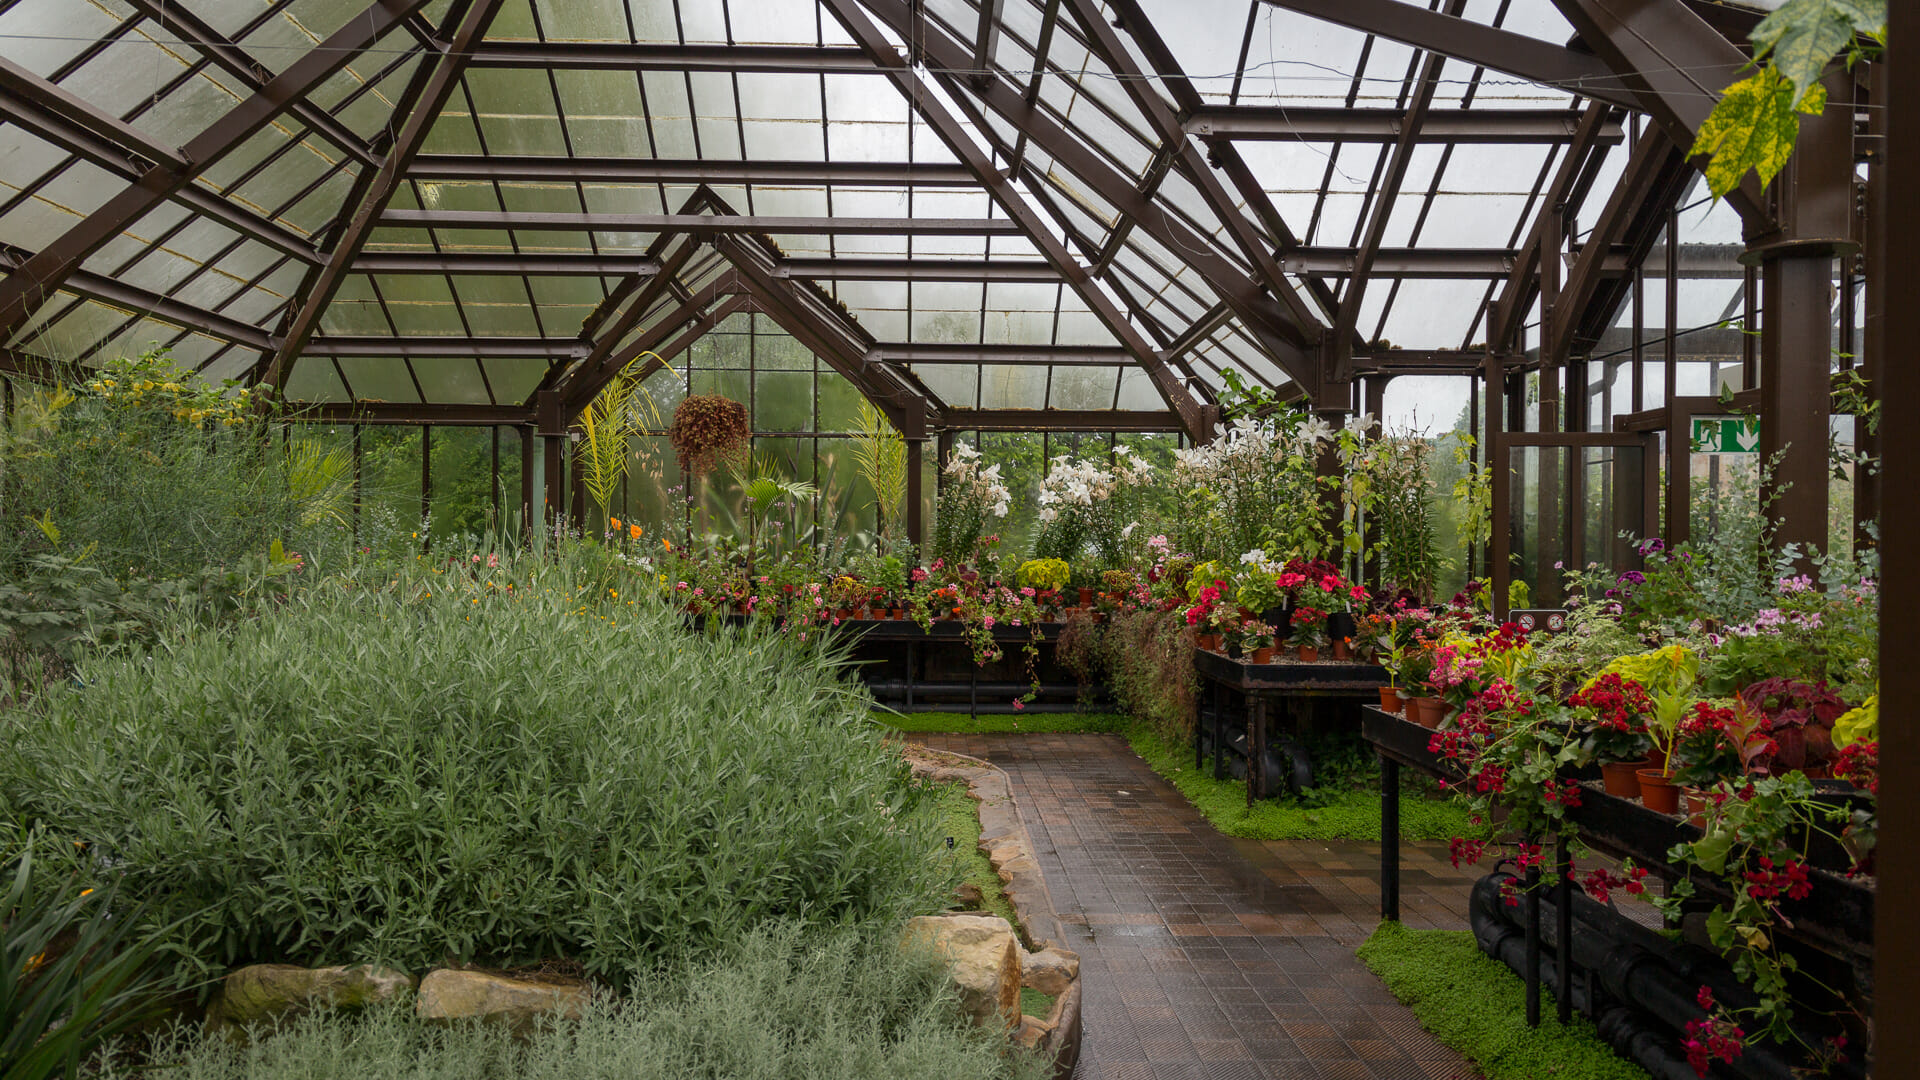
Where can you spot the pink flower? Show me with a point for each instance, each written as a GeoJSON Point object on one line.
{"type": "Point", "coordinates": [493, 560]}
{"type": "Point", "coordinates": [1018, 704]}
{"type": "Point", "coordinates": [987, 622]}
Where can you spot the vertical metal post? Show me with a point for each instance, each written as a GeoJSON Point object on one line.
{"type": "Point", "coordinates": [528, 519]}
{"type": "Point", "coordinates": [1389, 839]}
{"type": "Point", "coordinates": [1896, 1020]}
{"type": "Point", "coordinates": [1639, 348]}
{"type": "Point", "coordinates": [916, 513]}
{"type": "Point", "coordinates": [553, 457]}
{"type": "Point", "coordinates": [493, 471]}
{"type": "Point", "coordinates": [1500, 470]}
{"type": "Point", "coordinates": [1563, 929]}
{"type": "Point", "coordinates": [1532, 972]}
{"type": "Point", "coordinates": [1256, 747]}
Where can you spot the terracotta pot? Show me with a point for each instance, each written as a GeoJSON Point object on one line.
{"type": "Point", "coordinates": [896, 613]}
{"type": "Point", "coordinates": [1209, 642]}
{"type": "Point", "coordinates": [1621, 777]}
{"type": "Point", "coordinates": [1699, 804]}
{"type": "Point", "coordinates": [1428, 712]}
{"type": "Point", "coordinates": [1262, 655]}
{"type": "Point", "coordinates": [1086, 597]}
{"type": "Point", "coordinates": [1390, 698]}
{"type": "Point", "coordinates": [1819, 771]}
{"type": "Point", "coordinates": [1341, 650]}
{"type": "Point", "coordinates": [1309, 653]}
{"type": "Point", "coordinates": [1658, 792]}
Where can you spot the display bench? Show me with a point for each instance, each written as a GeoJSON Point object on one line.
{"type": "Point", "coordinates": [1836, 917]}
{"type": "Point", "coordinates": [910, 669]}
{"type": "Point", "coordinates": [1252, 716]}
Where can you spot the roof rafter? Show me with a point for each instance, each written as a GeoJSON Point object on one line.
{"type": "Point", "coordinates": [1195, 419]}
{"type": "Point", "coordinates": [589, 56]}
{"type": "Point", "coordinates": [42, 275]}
{"type": "Point", "coordinates": [1474, 43]}
{"type": "Point", "coordinates": [232, 59]}
{"type": "Point", "coordinates": [425, 96]}
{"type": "Point", "coordinates": [697, 224]}
{"type": "Point", "coordinates": [597, 170]}
{"type": "Point", "coordinates": [1503, 127]}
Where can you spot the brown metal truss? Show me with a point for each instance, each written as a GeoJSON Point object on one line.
{"type": "Point", "coordinates": [1449, 35]}
{"type": "Point", "coordinates": [42, 275]}
{"type": "Point", "coordinates": [1196, 420]}
{"type": "Point", "coordinates": [1507, 127]}
{"type": "Point", "coordinates": [430, 88]}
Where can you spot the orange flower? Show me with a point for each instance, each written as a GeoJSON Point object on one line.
{"type": "Point", "coordinates": [616, 524]}
{"type": "Point", "coordinates": [634, 531]}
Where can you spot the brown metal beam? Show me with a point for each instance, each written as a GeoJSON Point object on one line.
{"type": "Point", "coordinates": [612, 353]}
{"type": "Point", "coordinates": [1181, 150]}
{"type": "Point", "coordinates": [1263, 317]}
{"type": "Point", "coordinates": [139, 301]}
{"type": "Point", "coordinates": [1060, 420]}
{"type": "Point", "coordinates": [590, 56]}
{"type": "Point", "coordinates": [698, 224]}
{"type": "Point", "coordinates": [581, 265]}
{"type": "Point", "coordinates": [49, 97]}
{"type": "Point", "coordinates": [1385, 197]}
{"type": "Point", "coordinates": [253, 75]}
{"type": "Point", "coordinates": [1505, 127]}
{"type": "Point", "coordinates": [1523, 281]}
{"type": "Point", "coordinates": [393, 412]}
{"type": "Point", "coordinates": [1652, 180]}
{"type": "Point", "coordinates": [1675, 66]}
{"type": "Point", "coordinates": [510, 348]}
{"type": "Point", "coordinates": [599, 170]}
{"type": "Point", "coordinates": [959, 139]}
{"type": "Point", "coordinates": [41, 276]}
{"type": "Point", "coordinates": [1012, 355]}
{"type": "Point", "coordinates": [921, 268]}
{"type": "Point", "coordinates": [1473, 43]}
{"type": "Point", "coordinates": [28, 109]}
{"type": "Point", "coordinates": [374, 187]}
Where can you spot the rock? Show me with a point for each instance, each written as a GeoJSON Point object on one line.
{"type": "Point", "coordinates": [982, 957]}
{"type": "Point", "coordinates": [517, 1003]}
{"type": "Point", "coordinates": [1030, 1032]}
{"type": "Point", "coordinates": [968, 895]}
{"type": "Point", "coordinates": [1050, 971]}
{"type": "Point", "coordinates": [265, 992]}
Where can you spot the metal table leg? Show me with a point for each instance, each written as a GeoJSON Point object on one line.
{"type": "Point", "coordinates": [1532, 973]}
{"type": "Point", "coordinates": [1563, 929]}
{"type": "Point", "coordinates": [1389, 839]}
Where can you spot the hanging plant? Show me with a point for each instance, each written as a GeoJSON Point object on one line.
{"type": "Point", "coordinates": [709, 430]}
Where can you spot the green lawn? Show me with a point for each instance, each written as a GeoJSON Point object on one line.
{"type": "Point", "coordinates": [950, 723]}
{"type": "Point", "coordinates": [1343, 815]}
{"type": "Point", "coordinates": [1476, 1005]}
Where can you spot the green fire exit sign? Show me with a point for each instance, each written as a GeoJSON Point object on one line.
{"type": "Point", "coordinates": [1726, 434]}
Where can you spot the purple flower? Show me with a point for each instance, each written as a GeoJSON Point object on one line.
{"type": "Point", "coordinates": [1652, 545]}
{"type": "Point", "coordinates": [1631, 577]}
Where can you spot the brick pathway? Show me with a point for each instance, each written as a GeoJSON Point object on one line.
{"type": "Point", "coordinates": [1206, 956]}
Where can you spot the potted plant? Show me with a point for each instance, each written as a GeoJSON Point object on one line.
{"type": "Point", "coordinates": [1416, 667]}
{"type": "Point", "coordinates": [1607, 721]}
{"type": "Point", "coordinates": [1309, 633]}
{"type": "Point", "coordinates": [1256, 641]}
{"type": "Point", "coordinates": [1669, 676]}
{"type": "Point", "coordinates": [1715, 742]}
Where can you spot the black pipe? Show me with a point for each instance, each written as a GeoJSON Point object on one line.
{"type": "Point", "coordinates": [1646, 985]}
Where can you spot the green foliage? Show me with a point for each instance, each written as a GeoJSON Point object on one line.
{"type": "Point", "coordinates": [1753, 127]}
{"type": "Point", "coordinates": [1477, 1006]}
{"type": "Point", "coordinates": [74, 973]}
{"type": "Point", "coordinates": [881, 455]}
{"type": "Point", "coordinates": [1472, 492]}
{"type": "Point", "coordinates": [960, 822]}
{"type": "Point", "coordinates": [785, 1003]}
{"type": "Point", "coordinates": [489, 766]}
{"type": "Point", "coordinates": [1003, 723]}
{"type": "Point", "coordinates": [1756, 121]}
{"type": "Point", "coordinates": [1345, 815]}
{"type": "Point", "coordinates": [608, 424]}
{"type": "Point", "coordinates": [152, 472]}
{"type": "Point", "coordinates": [1045, 573]}
{"type": "Point", "coordinates": [1146, 658]}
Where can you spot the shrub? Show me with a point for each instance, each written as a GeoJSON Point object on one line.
{"type": "Point", "coordinates": [1147, 659]}
{"type": "Point", "coordinates": [709, 430]}
{"type": "Point", "coordinates": [781, 1003]}
{"type": "Point", "coordinates": [497, 767]}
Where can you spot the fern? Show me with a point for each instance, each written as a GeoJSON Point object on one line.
{"type": "Point", "coordinates": [608, 425]}
{"type": "Point", "coordinates": [881, 455]}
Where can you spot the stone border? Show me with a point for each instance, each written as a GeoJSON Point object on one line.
{"type": "Point", "coordinates": [1004, 838]}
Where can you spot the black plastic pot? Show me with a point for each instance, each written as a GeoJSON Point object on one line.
{"type": "Point", "coordinates": [1341, 624]}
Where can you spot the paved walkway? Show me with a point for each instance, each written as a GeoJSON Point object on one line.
{"type": "Point", "coordinates": [1208, 957]}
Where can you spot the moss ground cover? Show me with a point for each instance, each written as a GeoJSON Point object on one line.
{"type": "Point", "coordinates": [954, 723]}
{"type": "Point", "coordinates": [960, 820]}
{"type": "Point", "coordinates": [1351, 814]}
{"type": "Point", "coordinates": [1473, 1004]}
